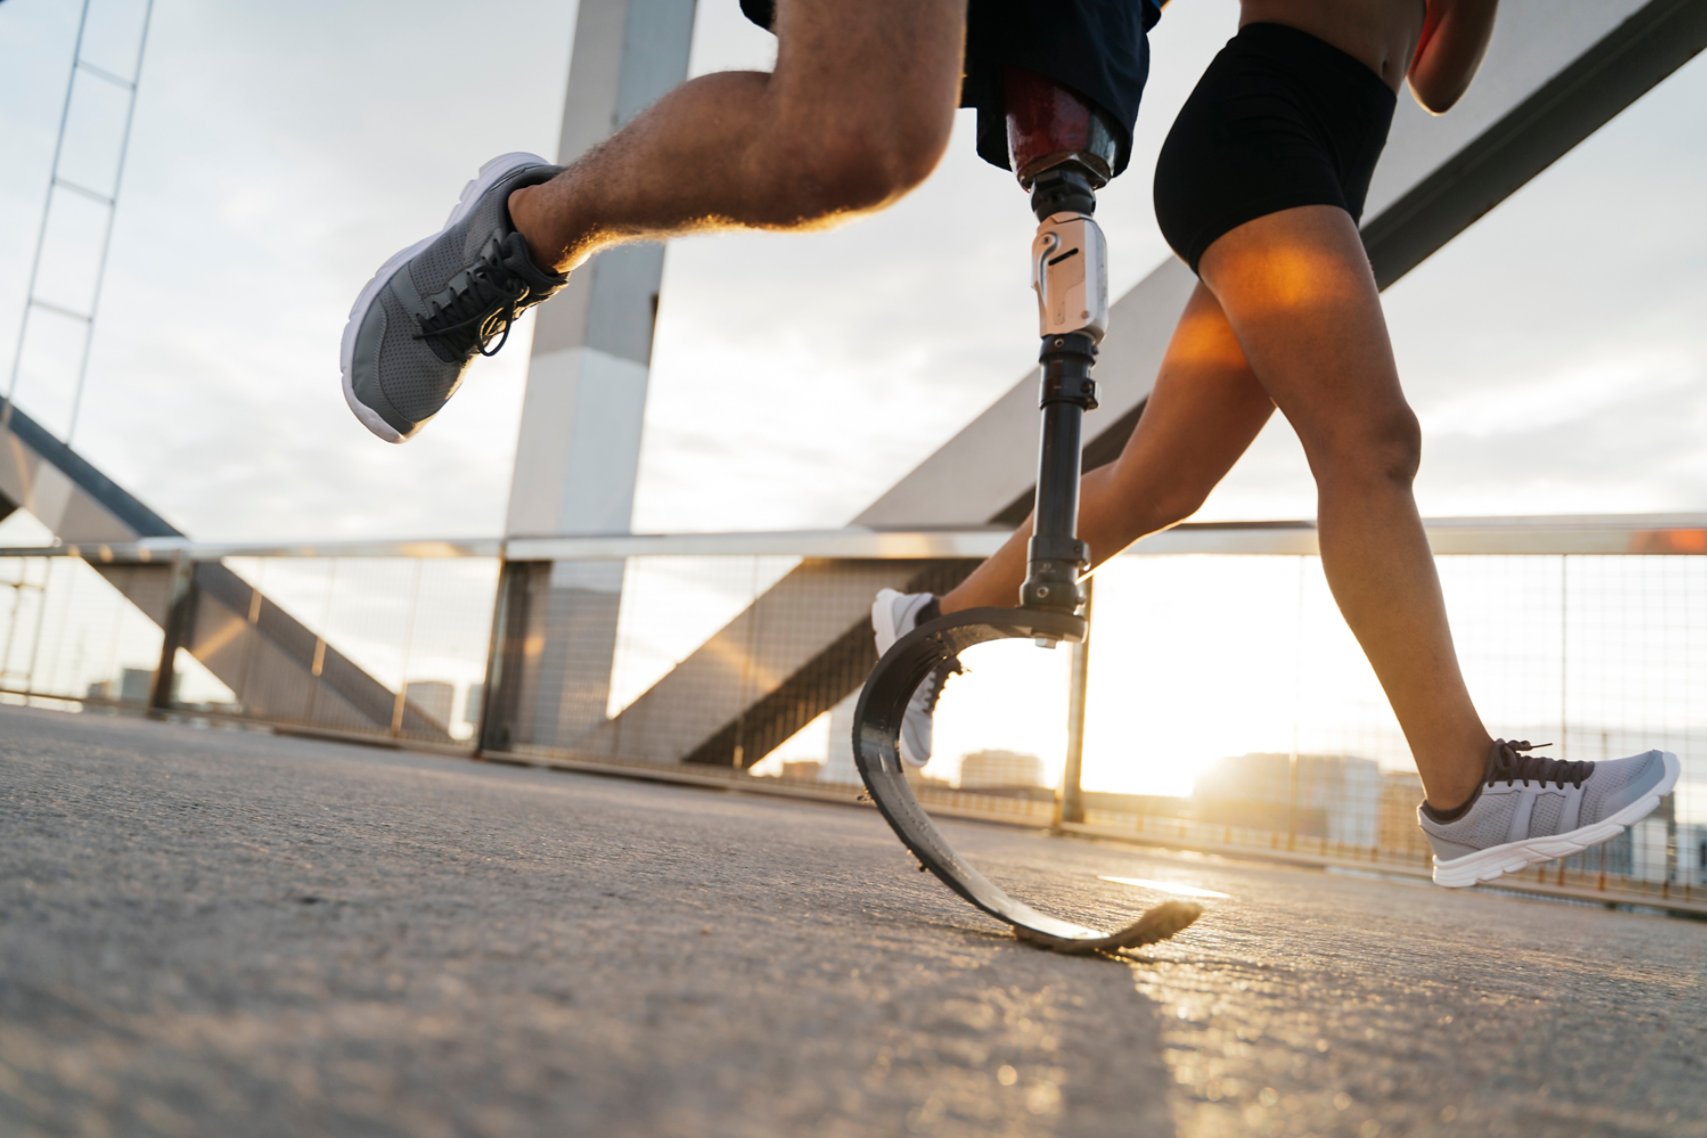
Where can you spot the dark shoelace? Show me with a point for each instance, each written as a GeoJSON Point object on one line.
{"type": "Point", "coordinates": [1508, 763]}
{"type": "Point", "coordinates": [482, 310]}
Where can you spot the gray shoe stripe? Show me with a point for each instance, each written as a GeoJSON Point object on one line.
{"type": "Point", "coordinates": [1571, 816]}
{"type": "Point", "coordinates": [1518, 830]}
{"type": "Point", "coordinates": [370, 394]}
{"type": "Point", "coordinates": [403, 287]}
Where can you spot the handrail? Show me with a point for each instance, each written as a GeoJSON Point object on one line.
{"type": "Point", "coordinates": [1577, 534]}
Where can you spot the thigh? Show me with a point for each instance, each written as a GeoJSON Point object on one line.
{"type": "Point", "coordinates": [1206, 408]}
{"type": "Point", "coordinates": [876, 62]}
{"type": "Point", "coordinates": [1298, 293]}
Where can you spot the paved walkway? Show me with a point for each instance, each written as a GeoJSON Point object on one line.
{"type": "Point", "coordinates": [224, 933]}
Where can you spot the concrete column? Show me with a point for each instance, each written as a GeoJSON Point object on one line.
{"type": "Point", "coordinates": [578, 454]}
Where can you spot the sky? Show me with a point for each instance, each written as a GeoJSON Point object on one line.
{"type": "Point", "coordinates": [280, 152]}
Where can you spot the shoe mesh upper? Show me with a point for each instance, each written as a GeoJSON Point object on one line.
{"type": "Point", "coordinates": [1544, 819]}
{"type": "Point", "coordinates": [433, 267]}
{"type": "Point", "coordinates": [1487, 823]}
{"type": "Point", "coordinates": [1608, 779]}
{"type": "Point", "coordinates": [1605, 791]}
{"type": "Point", "coordinates": [449, 255]}
{"type": "Point", "coordinates": [414, 379]}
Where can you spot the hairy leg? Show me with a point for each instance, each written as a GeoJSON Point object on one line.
{"type": "Point", "coordinates": [1297, 290]}
{"type": "Point", "coordinates": [1205, 409]}
{"type": "Point", "coordinates": [857, 112]}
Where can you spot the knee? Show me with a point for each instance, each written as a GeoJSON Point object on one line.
{"type": "Point", "coordinates": [1383, 449]}
{"type": "Point", "coordinates": [1396, 448]}
{"type": "Point", "coordinates": [856, 162]}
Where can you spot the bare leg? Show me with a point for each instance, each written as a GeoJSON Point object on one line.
{"type": "Point", "coordinates": [1205, 409]}
{"type": "Point", "coordinates": [857, 112]}
{"type": "Point", "coordinates": [1298, 292]}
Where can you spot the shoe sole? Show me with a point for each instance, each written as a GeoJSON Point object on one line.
{"type": "Point", "coordinates": [1485, 865]}
{"type": "Point", "coordinates": [489, 175]}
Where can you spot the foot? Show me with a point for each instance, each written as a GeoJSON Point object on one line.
{"type": "Point", "coordinates": [439, 303]}
{"type": "Point", "coordinates": [893, 615]}
{"type": "Point", "coordinates": [1533, 809]}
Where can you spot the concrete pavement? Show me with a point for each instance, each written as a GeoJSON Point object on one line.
{"type": "Point", "coordinates": [217, 932]}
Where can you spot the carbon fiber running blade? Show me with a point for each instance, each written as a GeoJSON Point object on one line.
{"type": "Point", "coordinates": [877, 754]}
{"type": "Point", "coordinates": [1158, 924]}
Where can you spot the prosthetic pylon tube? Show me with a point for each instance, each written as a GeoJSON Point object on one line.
{"type": "Point", "coordinates": [1062, 158]}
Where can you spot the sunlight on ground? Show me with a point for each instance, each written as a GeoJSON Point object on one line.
{"type": "Point", "coordinates": [1173, 888]}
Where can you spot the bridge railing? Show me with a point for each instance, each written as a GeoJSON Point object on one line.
{"type": "Point", "coordinates": [1221, 704]}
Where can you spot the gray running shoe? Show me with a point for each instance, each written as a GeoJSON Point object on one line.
{"type": "Point", "coordinates": [893, 615]}
{"type": "Point", "coordinates": [439, 303]}
{"type": "Point", "coordinates": [1533, 809]}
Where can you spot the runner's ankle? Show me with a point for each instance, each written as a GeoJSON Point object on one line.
{"type": "Point", "coordinates": [1444, 814]}
{"type": "Point", "coordinates": [524, 216]}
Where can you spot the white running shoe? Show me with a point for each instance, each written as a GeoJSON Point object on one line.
{"type": "Point", "coordinates": [1533, 809]}
{"type": "Point", "coordinates": [893, 615]}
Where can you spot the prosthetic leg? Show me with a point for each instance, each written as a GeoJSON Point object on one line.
{"type": "Point", "coordinates": [1063, 152]}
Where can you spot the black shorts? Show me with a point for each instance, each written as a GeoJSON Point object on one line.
{"type": "Point", "coordinates": [1099, 48]}
{"type": "Point", "coordinates": [1279, 120]}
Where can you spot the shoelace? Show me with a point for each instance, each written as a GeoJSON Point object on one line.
{"type": "Point", "coordinates": [1509, 763]}
{"type": "Point", "coordinates": [483, 310]}
{"type": "Point", "coordinates": [931, 686]}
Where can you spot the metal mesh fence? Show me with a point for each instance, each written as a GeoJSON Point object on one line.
{"type": "Point", "coordinates": [397, 646]}
{"type": "Point", "coordinates": [1249, 718]}
{"type": "Point", "coordinates": [72, 633]}
{"type": "Point", "coordinates": [1227, 705]}
{"type": "Point", "coordinates": [709, 662]}
{"type": "Point", "coordinates": [390, 647]}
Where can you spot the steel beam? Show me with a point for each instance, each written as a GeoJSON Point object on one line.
{"type": "Point", "coordinates": [578, 455]}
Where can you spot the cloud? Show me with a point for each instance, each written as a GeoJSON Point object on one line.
{"type": "Point", "coordinates": [280, 153]}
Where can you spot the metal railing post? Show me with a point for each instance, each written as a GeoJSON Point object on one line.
{"type": "Point", "coordinates": [174, 632]}
{"type": "Point", "coordinates": [506, 656]}
{"type": "Point", "coordinates": [401, 703]}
